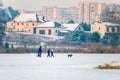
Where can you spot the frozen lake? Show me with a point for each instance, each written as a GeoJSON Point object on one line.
{"type": "Point", "coordinates": [79, 67]}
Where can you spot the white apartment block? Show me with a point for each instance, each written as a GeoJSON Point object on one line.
{"type": "Point", "coordinates": [61, 15]}
{"type": "Point", "coordinates": [90, 12]}
{"type": "Point", "coordinates": [67, 14]}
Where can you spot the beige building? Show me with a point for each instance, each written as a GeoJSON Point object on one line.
{"type": "Point", "coordinates": [90, 12]}
{"type": "Point", "coordinates": [24, 22]}
{"type": "Point", "coordinates": [87, 12]}
{"type": "Point", "coordinates": [48, 28]}
{"type": "Point", "coordinates": [61, 15]}
{"type": "Point", "coordinates": [49, 12]}
{"type": "Point", "coordinates": [21, 26]}
{"type": "Point", "coordinates": [105, 27]}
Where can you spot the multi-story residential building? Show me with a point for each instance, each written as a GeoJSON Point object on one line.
{"type": "Point", "coordinates": [105, 27]}
{"type": "Point", "coordinates": [67, 14]}
{"type": "Point", "coordinates": [89, 12]}
{"type": "Point", "coordinates": [62, 15]}
{"type": "Point", "coordinates": [24, 22]}
{"type": "Point", "coordinates": [49, 12]}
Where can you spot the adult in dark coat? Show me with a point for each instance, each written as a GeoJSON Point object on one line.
{"type": "Point", "coordinates": [48, 53]}
{"type": "Point", "coordinates": [39, 51]}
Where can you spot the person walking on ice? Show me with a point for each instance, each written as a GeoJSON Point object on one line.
{"type": "Point", "coordinates": [39, 51]}
{"type": "Point", "coordinates": [52, 53]}
{"type": "Point", "coordinates": [48, 52]}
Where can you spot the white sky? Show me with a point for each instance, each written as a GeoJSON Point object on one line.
{"type": "Point", "coordinates": [33, 5]}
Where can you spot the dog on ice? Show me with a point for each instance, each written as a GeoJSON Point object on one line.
{"type": "Point", "coordinates": [70, 55]}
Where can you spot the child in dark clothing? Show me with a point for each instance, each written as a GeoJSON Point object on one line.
{"type": "Point", "coordinates": [52, 53]}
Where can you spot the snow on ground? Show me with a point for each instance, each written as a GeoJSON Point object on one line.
{"type": "Point", "coordinates": [115, 63]}
{"type": "Point", "coordinates": [78, 67]}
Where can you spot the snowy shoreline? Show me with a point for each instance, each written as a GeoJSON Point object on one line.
{"type": "Point", "coordinates": [111, 65]}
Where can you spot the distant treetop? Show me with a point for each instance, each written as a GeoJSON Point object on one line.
{"type": "Point", "coordinates": [71, 22]}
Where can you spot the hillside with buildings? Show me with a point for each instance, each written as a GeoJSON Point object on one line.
{"type": "Point", "coordinates": [89, 24]}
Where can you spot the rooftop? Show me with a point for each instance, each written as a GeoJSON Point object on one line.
{"type": "Point", "coordinates": [25, 17]}
{"type": "Point", "coordinates": [71, 27]}
{"type": "Point", "coordinates": [50, 24]}
{"type": "Point", "coordinates": [109, 24]}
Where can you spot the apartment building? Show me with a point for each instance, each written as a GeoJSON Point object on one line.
{"type": "Point", "coordinates": [90, 12]}
{"type": "Point", "coordinates": [67, 14]}
{"type": "Point", "coordinates": [61, 15]}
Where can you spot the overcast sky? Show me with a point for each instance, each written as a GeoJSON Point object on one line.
{"type": "Point", "coordinates": [33, 5]}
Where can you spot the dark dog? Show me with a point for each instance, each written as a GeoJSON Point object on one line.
{"type": "Point", "coordinates": [70, 55]}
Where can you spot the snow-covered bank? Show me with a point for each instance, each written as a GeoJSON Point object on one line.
{"type": "Point", "coordinates": [111, 65]}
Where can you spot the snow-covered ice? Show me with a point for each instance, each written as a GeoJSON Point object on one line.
{"type": "Point", "coordinates": [78, 67]}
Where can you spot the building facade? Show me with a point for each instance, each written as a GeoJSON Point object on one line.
{"type": "Point", "coordinates": [48, 28]}
{"type": "Point", "coordinates": [24, 23]}
{"type": "Point", "coordinates": [105, 27]}
{"type": "Point", "coordinates": [21, 26]}
{"type": "Point", "coordinates": [61, 15]}
{"type": "Point", "coordinates": [90, 12]}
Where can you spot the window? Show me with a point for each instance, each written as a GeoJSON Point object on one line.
{"type": "Point", "coordinates": [118, 29]}
{"type": "Point", "coordinates": [22, 23]}
{"type": "Point", "coordinates": [113, 29]}
{"type": "Point", "coordinates": [27, 24]}
{"type": "Point", "coordinates": [33, 24]}
{"type": "Point", "coordinates": [13, 27]}
{"type": "Point", "coordinates": [49, 32]}
{"type": "Point", "coordinates": [17, 23]}
{"type": "Point", "coordinates": [56, 31]}
{"type": "Point", "coordinates": [41, 31]}
{"type": "Point", "coordinates": [34, 30]}
{"type": "Point", "coordinates": [92, 28]}
{"type": "Point", "coordinates": [12, 24]}
{"type": "Point", "coordinates": [99, 28]}
{"type": "Point", "coordinates": [107, 29]}
{"type": "Point", "coordinates": [92, 10]}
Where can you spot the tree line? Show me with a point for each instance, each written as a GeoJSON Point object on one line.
{"type": "Point", "coordinates": [6, 14]}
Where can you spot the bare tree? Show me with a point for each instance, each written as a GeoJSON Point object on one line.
{"type": "Point", "coordinates": [111, 14]}
{"type": "Point", "coordinates": [2, 26]}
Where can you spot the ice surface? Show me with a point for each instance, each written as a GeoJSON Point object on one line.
{"type": "Point", "coordinates": [78, 67]}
